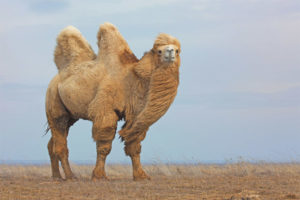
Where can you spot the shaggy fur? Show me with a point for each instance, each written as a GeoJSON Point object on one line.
{"type": "Point", "coordinates": [106, 88]}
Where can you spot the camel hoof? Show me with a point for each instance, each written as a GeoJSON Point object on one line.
{"type": "Point", "coordinates": [57, 179]}
{"type": "Point", "coordinates": [101, 178]}
{"type": "Point", "coordinates": [71, 178]}
{"type": "Point", "coordinates": [141, 176]}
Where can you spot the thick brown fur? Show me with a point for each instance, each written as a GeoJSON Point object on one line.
{"type": "Point", "coordinates": [164, 80]}
{"type": "Point", "coordinates": [72, 48]}
{"type": "Point", "coordinates": [111, 86]}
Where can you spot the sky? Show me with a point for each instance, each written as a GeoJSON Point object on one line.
{"type": "Point", "coordinates": [239, 93]}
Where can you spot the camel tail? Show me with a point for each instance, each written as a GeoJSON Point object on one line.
{"type": "Point", "coordinates": [72, 48]}
{"type": "Point", "coordinates": [47, 129]}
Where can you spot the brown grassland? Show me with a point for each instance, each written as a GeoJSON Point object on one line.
{"type": "Point", "coordinates": [239, 181]}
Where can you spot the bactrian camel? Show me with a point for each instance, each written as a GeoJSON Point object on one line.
{"type": "Point", "coordinates": [106, 88]}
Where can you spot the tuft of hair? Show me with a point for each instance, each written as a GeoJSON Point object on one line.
{"type": "Point", "coordinates": [165, 39]}
{"type": "Point", "coordinates": [72, 48]}
{"type": "Point", "coordinates": [47, 129]}
{"type": "Point", "coordinates": [112, 46]}
{"type": "Point", "coordinates": [107, 28]}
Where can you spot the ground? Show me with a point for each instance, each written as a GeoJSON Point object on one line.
{"type": "Point", "coordinates": [239, 181]}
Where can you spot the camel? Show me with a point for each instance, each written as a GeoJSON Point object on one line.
{"type": "Point", "coordinates": [105, 88]}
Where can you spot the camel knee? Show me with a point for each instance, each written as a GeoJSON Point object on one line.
{"type": "Point", "coordinates": [61, 152]}
{"type": "Point", "coordinates": [104, 134]}
{"type": "Point", "coordinates": [50, 147]}
{"type": "Point", "coordinates": [59, 148]}
{"type": "Point", "coordinates": [104, 148]}
{"type": "Point", "coordinates": [104, 127]}
{"type": "Point", "coordinates": [133, 149]}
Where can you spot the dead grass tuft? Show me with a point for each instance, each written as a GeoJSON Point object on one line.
{"type": "Point", "coordinates": [231, 181]}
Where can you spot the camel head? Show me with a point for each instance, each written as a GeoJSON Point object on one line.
{"type": "Point", "coordinates": [166, 50]}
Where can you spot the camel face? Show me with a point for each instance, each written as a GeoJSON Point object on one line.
{"type": "Point", "coordinates": [168, 53]}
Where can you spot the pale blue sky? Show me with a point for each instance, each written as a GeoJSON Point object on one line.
{"type": "Point", "coordinates": [239, 94]}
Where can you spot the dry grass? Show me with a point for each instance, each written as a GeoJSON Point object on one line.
{"type": "Point", "coordinates": [232, 181]}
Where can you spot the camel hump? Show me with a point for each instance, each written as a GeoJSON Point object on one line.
{"type": "Point", "coordinates": [113, 48]}
{"type": "Point", "coordinates": [72, 48]}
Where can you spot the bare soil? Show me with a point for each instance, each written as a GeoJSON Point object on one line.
{"type": "Point", "coordinates": [241, 181]}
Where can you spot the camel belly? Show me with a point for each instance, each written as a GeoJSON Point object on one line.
{"type": "Point", "coordinates": [76, 94]}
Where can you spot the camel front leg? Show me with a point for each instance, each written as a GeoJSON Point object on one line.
{"type": "Point", "coordinates": [103, 133]}
{"type": "Point", "coordinates": [103, 149]}
{"type": "Point", "coordinates": [133, 149]}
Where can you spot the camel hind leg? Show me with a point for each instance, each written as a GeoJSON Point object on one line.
{"type": "Point", "coordinates": [59, 121]}
{"type": "Point", "coordinates": [57, 146]}
{"type": "Point", "coordinates": [54, 160]}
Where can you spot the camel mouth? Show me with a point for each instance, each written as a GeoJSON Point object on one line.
{"type": "Point", "coordinates": [169, 59]}
{"type": "Point", "coordinates": [172, 59]}
{"type": "Point", "coordinates": [169, 54]}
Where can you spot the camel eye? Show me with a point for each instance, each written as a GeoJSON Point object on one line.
{"type": "Point", "coordinates": [176, 50]}
{"type": "Point", "coordinates": [159, 51]}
